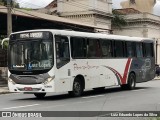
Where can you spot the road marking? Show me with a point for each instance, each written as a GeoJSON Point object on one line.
{"type": "Point", "coordinates": [93, 96]}
{"type": "Point", "coordinates": [21, 106]}
{"type": "Point", "coordinates": [60, 105]}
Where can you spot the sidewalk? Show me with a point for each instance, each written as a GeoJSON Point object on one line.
{"type": "Point", "coordinates": [4, 90]}
{"type": "Point", "coordinates": [157, 78]}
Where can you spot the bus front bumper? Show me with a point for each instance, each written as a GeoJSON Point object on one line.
{"type": "Point", "coordinates": [35, 88]}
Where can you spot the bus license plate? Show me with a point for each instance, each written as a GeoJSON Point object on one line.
{"type": "Point", "coordinates": [28, 88]}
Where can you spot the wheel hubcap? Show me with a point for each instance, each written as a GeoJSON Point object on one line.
{"type": "Point", "coordinates": [77, 87]}
{"type": "Point", "coordinates": [132, 81]}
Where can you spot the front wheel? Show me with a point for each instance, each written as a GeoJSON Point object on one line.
{"type": "Point", "coordinates": [40, 95]}
{"type": "Point", "coordinates": [77, 88]}
{"type": "Point", "coordinates": [131, 82]}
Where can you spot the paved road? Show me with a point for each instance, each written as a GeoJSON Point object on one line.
{"type": "Point", "coordinates": [146, 97]}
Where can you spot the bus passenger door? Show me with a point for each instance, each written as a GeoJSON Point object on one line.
{"type": "Point", "coordinates": [62, 60]}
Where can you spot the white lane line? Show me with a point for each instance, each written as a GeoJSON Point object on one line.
{"type": "Point", "coordinates": [20, 106]}
{"type": "Point", "coordinates": [139, 90]}
{"type": "Point", "coordinates": [94, 96]}
{"type": "Point", "coordinates": [60, 105]}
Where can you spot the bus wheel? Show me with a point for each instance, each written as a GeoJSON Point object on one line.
{"type": "Point", "coordinates": [131, 82]}
{"type": "Point", "coordinates": [40, 95]}
{"type": "Point", "coordinates": [77, 88]}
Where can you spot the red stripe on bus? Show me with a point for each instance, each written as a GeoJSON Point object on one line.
{"type": "Point", "coordinates": [124, 78]}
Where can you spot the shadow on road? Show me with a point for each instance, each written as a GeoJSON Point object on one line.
{"type": "Point", "coordinates": [64, 96]}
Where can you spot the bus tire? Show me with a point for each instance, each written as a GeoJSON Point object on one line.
{"type": "Point", "coordinates": [77, 89]}
{"type": "Point", "coordinates": [131, 82]}
{"type": "Point", "coordinates": [40, 95]}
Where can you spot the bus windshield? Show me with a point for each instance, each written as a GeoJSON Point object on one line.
{"type": "Point", "coordinates": [31, 55]}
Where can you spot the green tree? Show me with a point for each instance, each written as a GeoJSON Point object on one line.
{"type": "Point", "coordinates": [3, 2]}
{"type": "Point", "coordinates": [118, 20]}
{"type": "Point", "coordinates": [13, 3]}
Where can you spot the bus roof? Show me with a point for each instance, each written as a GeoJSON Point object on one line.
{"type": "Point", "coordinates": [89, 35]}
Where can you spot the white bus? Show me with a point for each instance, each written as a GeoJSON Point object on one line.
{"type": "Point", "coordinates": [42, 61]}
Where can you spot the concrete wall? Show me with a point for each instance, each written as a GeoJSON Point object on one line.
{"type": "Point", "coordinates": [3, 72]}
{"type": "Point", "coordinates": [66, 6]}
{"type": "Point", "coordinates": [3, 76]}
{"type": "Point", "coordinates": [141, 5]}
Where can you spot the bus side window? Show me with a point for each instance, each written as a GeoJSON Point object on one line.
{"type": "Point", "coordinates": [148, 49]}
{"type": "Point", "coordinates": [139, 50]}
{"type": "Point", "coordinates": [130, 52]}
{"type": "Point", "coordinates": [94, 50]}
{"type": "Point", "coordinates": [62, 50]}
{"type": "Point", "coordinates": [78, 47]}
{"type": "Point", "coordinates": [119, 49]}
{"type": "Point", "coordinates": [106, 46]}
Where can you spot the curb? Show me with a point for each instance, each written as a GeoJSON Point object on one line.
{"type": "Point", "coordinates": [5, 92]}
{"type": "Point", "coordinates": [157, 78]}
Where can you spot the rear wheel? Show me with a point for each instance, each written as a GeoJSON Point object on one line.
{"type": "Point", "coordinates": [40, 95]}
{"type": "Point", "coordinates": [131, 82]}
{"type": "Point", "coordinates": [77, 88]}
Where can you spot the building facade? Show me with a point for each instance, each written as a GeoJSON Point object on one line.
{"type": "Point", "coordinates": [142, 25]}
{"type": "Point", "coordinates": [91, 12]}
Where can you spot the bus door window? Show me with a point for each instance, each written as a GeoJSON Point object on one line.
{"type": "Point", "coordinates": [62, 50]}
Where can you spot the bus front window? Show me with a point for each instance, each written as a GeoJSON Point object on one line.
{"type": "Point", "coordinates": [31, 55]}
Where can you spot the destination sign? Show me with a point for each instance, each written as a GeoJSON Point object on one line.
{"type": "Point", "coordinates": [32, 35]}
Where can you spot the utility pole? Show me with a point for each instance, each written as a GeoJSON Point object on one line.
{"type": "Point", "coordinates": [9, 18]}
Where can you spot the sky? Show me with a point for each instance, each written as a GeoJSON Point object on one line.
{"type": "Point", "coordinates": [43, 3]}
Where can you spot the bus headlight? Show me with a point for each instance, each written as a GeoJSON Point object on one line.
{"type": "Point", "coordinates": [10, 80]}
{"type": "Point", "coordinates": [49, 80]}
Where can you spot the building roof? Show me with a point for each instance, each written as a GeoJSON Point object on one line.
{"type": "Point", "coordinates": [127, 11]}
{"type": "Point", "coordinates": [37, 15]}
{"type": "Point", "coordinates": [53, 4]}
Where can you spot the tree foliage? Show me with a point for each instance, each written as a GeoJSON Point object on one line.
{"type": "Point", "coordinates": [3, 2]}
{"type": "Point", "coordinates": [13, 3]}
{"type": "Point", "coordinates": [118, 20]}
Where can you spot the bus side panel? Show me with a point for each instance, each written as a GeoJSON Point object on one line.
{"type": "Point", "coordinates": [63, 78]}
{"type": "Point", "coordinates": [100, 72]}
{"type": "Point", "coordinates": [143, 68]}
